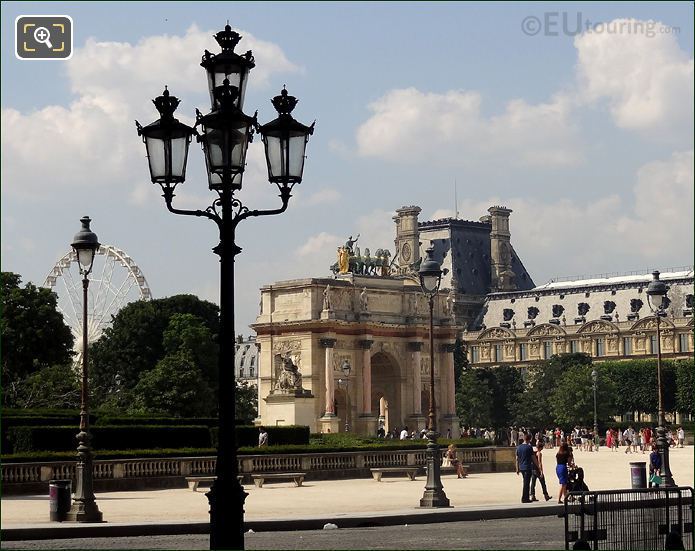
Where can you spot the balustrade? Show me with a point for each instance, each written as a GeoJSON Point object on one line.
{"type": "Point", "coordinates": [18, 473]}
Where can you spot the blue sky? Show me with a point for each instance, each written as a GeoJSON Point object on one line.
{"type": "Point", "coordinates": [587, 138]}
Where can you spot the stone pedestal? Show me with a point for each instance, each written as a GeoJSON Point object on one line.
{"type": "Point", "coordinates": [290, 407]}
{"type": "Point", "coordinates": [330, 422]}
{"type": "Point", "coordinates": [418, 422]}
{"type": "Point", "coordinates": [367, 424]}
{"type": "Point", "coordinates": [450, 422]}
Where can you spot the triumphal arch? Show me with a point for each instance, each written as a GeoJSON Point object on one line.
{"type": "Point", "coordinates": [372, 316]}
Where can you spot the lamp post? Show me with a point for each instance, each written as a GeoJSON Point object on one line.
{"type": "Point", "coordinates": [430, 279]}
{"type": "Point", "coordinates": [346, 368]}
{"type": "Point", "coordinates": [84, 507]}
{"type": "Point", "coordinates": [656, 293]}
{"type": "Point", "coordinates": [594, 381]}
{"type": "Point", "coordinates": [225, 134]}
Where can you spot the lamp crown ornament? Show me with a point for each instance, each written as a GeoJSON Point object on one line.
{"type": "Point", "coordinates": [284, 103]}
{"type": "Point", "coordinates": [166, 104]}
{"type": "Point", "coordinates": [227, 39]}
{"type": "Point", "coordinates": [226, 94]}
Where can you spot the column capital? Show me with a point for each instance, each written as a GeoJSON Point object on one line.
{"type": "Point", "coordinates": [447, 347]}
{"type": "Point", "coordinates": [327, 343]}
{"type": "Point", "coordinates": [415, 346]}
{"type": "Point", "coordinates": [365, 344]}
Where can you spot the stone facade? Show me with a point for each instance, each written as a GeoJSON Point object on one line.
{"type": "Point", "coordinates": [607, 318]}
{"type": "Point", "coordinates": [386, 345]}
{"type": "Point", "coordinates": [246, 360]}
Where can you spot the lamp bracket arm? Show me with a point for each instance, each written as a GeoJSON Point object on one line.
{"type": "Point", "coordinates": [210, 212]}
{"type": "Point", "coordinates": [243, 213]}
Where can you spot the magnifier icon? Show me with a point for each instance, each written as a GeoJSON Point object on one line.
{"type": "Point", "coordinates": [43, 36]}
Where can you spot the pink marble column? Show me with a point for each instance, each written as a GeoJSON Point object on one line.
{"type": "Point", "coordinates": [366, 345]}
{"type": "Point", "coordinates": [446, 377]}
{"type": "Point", "coordinates": [329, 344]}
{"type": "Point", "coordinates": [416, 355]}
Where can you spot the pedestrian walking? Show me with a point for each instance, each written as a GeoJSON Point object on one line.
{"type": "Point", "coordinates": [681, 437]}
{"type": "Point", "coordinates": [262, 437]}
{"type": "Point", "coordinates": [524, 466]}
{"type": "Point", "coordinates": [538, 475]}
{"type": "Point", "coordinates": [563, 458]}
{"type": "Point", "coordinates": [654, 467]}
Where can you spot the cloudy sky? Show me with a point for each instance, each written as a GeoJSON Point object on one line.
{"type": "Point", "coordinates": [587, 136]}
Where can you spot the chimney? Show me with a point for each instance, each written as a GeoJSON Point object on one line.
{"type": "Point", "coordinates": [502, 276]}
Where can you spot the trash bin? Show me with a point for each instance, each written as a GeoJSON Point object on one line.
{"type": "Point", "coordinates": [60, 499]}
{"type": "Point", "coordinates": [638, 474]}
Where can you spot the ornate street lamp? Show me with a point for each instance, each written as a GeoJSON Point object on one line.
{"type": "Point", "coordinates": [656, 293]}
{"type": "Point", "coordinates": [84, 507]}
{"type": "Point", "coordinates": [346, 369]}
{"type": "Point", "coordinates": [224, 134]}
{"type": "Point", "coordinates": [594, 381]}
{"type": "Point", "coordinates": [430, 279]}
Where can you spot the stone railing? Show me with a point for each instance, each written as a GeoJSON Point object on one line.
{"type": "Point", "coordinates": [319, 464]}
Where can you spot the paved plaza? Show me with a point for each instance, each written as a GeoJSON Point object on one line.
{"type": "Point", "coordinates": [333, 498]}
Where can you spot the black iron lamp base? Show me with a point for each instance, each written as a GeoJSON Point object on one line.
{"type": "Point", "coordinates": [84, 511]}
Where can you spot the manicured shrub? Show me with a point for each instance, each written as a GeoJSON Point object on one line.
{"type": "Point", "coordinates": [159, 421]}
{"type": "Point", "coordinates": [247, 435]}
{"type": "Point", "coordinates": [28, 439]}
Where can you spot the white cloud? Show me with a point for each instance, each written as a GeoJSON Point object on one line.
{"type": "Point", "coordinates": [325, 196]}
{"type": "Point", "coordinates": [92, 142]}
{"type": "Point", "coordinates": [567, 237]}
{"type": "Point", "coordinates": [322, 245]}
{"type": "Point", "coordinates": [646, 78]}
{"type": "Point", "coordinates": [411, 125]}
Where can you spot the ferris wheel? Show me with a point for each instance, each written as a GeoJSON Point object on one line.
{"type": "Point", "coordinates": [115, 281]}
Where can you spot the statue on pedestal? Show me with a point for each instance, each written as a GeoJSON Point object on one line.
{"type": "Point", "coordinates": [290, 378]}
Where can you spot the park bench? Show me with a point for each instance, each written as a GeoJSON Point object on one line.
{"type": "Point", "coordinates": [260, 478]}
{"type": "Point", "coordinates": [194, 481]}
{"type": "Point", "coordinates": [410, 472]}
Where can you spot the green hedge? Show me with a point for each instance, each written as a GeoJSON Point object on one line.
{"type": "Point", "coordinates": [114, 420]}
{"type": "Point", "coordinates": [247, 435]}
{"type": "Point", "coordinates": [61, 438]}
{"type": "Point", "coordinates": [34, 420]}
{"type": "Point", "coordinates": [107, 454]}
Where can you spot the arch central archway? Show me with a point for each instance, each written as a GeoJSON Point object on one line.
{"type": "Point", "coordinates": [386, 390]}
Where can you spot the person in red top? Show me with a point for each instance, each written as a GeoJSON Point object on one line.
{"type": "Point", "coordinates": [647, 437]}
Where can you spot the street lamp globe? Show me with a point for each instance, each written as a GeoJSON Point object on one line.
{"type": "Point", "coordinates": [167, 142]}
{"type": "Point", "coordinates": [285, 142]}
{"type": "Point", "coordinates": [227, 65]}
{"type": "Point", "coordinates": [346, 368]}
{"type": "Point", "coordinates": [430, 272]}
{"type": "Point", "coordinates": [85, 244]}
{"type": "Point", "coordinates": [656, 291]}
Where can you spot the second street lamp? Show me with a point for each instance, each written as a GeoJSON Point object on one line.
{"type": "Point", "coordinates": [84, 507]}
{"type": "Point", "coordinates": [656, 294]}
{"type": "Point", "coordinates": [346, 369]}
{"type": "Point", "coordinates": [225, 134]}
{"type": "Point", "coordinates": [430, 279]}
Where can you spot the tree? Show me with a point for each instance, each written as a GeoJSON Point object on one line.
{"type": "Point", "coordinates": [174, 387]}
{"type": "Point", "coordinates": [54, 387]}
{"type": "Point", "coordinates": [506, 384]}
{"type": "Point", "coordinates": [134, 342]}
{"type": "Point", "coordinates": [34, 334]}
{"type": "Point", "coordinates": [188, 333]}
{"type": "Point", "coordinates": [474, 399]}
{"type": "Point", "coordinates": [534, 408]}
{"type": "Point", "coordinates": [572, 400]}
{"type": "Point", "coordinates": [246, 402]}
{"type": "Point", "coordinates": [684, 385]}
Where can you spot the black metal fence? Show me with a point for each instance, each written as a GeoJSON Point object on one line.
{"type": "Point", "coordinates": [654, 518]}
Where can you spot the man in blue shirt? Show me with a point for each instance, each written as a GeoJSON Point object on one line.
{"type": "Point", "coordinates": [524, 464]}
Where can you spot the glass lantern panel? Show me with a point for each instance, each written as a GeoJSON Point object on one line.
{"type": "Point", "coordinates": [273, 154]}
{"type": "Point", "coordinates": [236, 76]}
{"type": "Point", "coordinates": [296, 155]}
{"type": "Point", "coordinates": [179, 151]}
{"type": "Point", "coordinates": [156, 157]}
{"type": "Point", "coordinates": [85, 256]}
{"type": "Point", "coordinates": [657, 300]}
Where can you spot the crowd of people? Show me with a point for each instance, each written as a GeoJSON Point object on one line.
{"type": "Point", "coordinates": [631, 440]}
{"type": "Point", "coordinates": [529, 456]}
